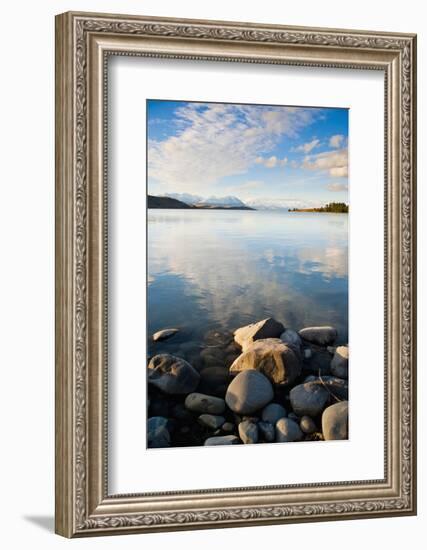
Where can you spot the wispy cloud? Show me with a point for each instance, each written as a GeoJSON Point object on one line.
{"type": "Point", "coordinates": [307, 147]}
{"type": "Point", "coordinates": [219, 140]}
{"type": "Point", "coordinates": [335, 187]}
{"type": "Point", "coordinates": [336, 141]}
{"type": "Point", "coordinates": [271, 162]}
{"type": "Point", "coordinates": [335, 163]}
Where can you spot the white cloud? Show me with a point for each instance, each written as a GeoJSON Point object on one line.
{"type": "Point", "coordinates": [335, 163]}
{"type": "Point", "coordinates": [307, 147]}
{"type": "Point", "coordinates": [335, 186]}
{"type": "Point", "coordinates": [336, 141]}
{"type": "Point", "coordinates": [218, 140]}
{"type": "Point", "coordinates": [271, 162]}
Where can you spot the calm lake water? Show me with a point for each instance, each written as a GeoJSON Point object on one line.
{"type": "Point", "coordinates": [219, 270]}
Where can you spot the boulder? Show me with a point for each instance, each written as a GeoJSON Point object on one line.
{"type": "Point", "coordinates": [335, 421]}
{"type": "Point", "coordinates": [172, 375]}
{"type": "Point", "coordinates": [211, 421]}
{"type": "Point", "coordinates": [271, 357]}
{"type": "Point", "coordinates": [157, 432]}
{"type": "Point", "coordinates": [339, 363]}
{"type": "Point", "coordinates": [307, 425]}
{"type": "Point", "coordinates": [287, 430]}
{"type": "Point", "coordinates": [273, 412]}
{"type": "Point", "coordinates": [267, 328]}
{"type": "Point", "coordinates": [248, 392]}
{"type": "Point", "coordinates": [164, 334]}
{"type": "Point", "coordinates": [308, 399]}
{"type": "Point", "coordinates": [222, 440]}
{"type": "Point", "coordinates": [248, 432]}
{"type": "Point", "coordinates": [267, 431]}
{"type": "Point", "coordinates": [202, 403]}
{"type": "Point", "coordinates": [322, 336]}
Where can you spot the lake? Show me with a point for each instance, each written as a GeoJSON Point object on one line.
{"type": "Point", "coordinates": [217, 270]}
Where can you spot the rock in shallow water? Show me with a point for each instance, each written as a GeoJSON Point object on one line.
{"type": "Point", "coordinates": [200, 402]}
{"type": "Point", "coordinates": [222, 440]}
{"type": "Point", "coordinates": [322, 336]}
{"type": "Point", "coordinates": [272, 357]}
{"type": "Point", "coordinates": [273, 412]}
{"type": "Point", "coordinates": [308, 399]}
{"type": "Point", "coordinates": [172, 375]}
{"type": "Point", "coordinates": [249, 391]}
{"type": "Point", "coordinates": [157, 433]}
{"type": "Point", "coordinates": [248, 432]}
{"type": "Point", "coordinates": [211, 421]}
{"type": "Point", "coordinates": [335, 421]}
{"type": "Point", "coordinates": [267, 328]}
{"type": "Point", "coordinates": [164, 334]}
{"type": "Point", "coordinates": [287, 430]}
{"type": "Point", "coordinates": [339, 363]}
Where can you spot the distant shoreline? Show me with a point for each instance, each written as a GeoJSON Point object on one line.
{"type": "Point", "coordinates": [169, 203]}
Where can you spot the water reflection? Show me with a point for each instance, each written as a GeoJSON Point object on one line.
{"type": "Point", "coordinates": [221, 270]}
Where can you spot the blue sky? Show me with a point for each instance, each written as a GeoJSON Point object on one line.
{"type": "Point", "coordinates": [290, 156]}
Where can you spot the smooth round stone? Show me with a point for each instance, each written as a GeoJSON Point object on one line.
{"type": "Point", "coordinates": [308, 399]}
{"type": "Point", "coordinates": [335, 421]}
{"type": "Point", "coordinates": [267, 431]}
{"type": "Point", "coordinates": [202, 403]}
{"type": "Point", "coordinates": [322, 336]}
{"type": "Point", "coordinates": [222, 440]}
{"type": "Point", "coordinates": [227, 427]}
{"type": "Point", "coordinates": [267, 328]}
{"type": "Point", "coordinates": [291, 337]}
{"type": "Point", "coordinates": [273, 412]}
{"type": "Point", "coordinates": [339, 363]}
{"type": "Point", "coordinates": [164, 334]}
{"type": "Point", "coordinates": [307, 425]}
{"type": "Point", "coordinates": [248, 432]}
{"type": "Point", "coordinates": [211, 421]}
{"type": "Point", "coordinates": [172, 375]}
{"type": "Point", "coordinates": [157, 432]}
{"type": "Point", "coordinates": [248, 392]}
{"type": "Point", "coordinates": [287, 430]}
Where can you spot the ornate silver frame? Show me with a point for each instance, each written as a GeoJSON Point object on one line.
{"type": "Point", "coordinates": [83, 42]}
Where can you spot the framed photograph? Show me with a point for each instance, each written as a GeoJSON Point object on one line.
{"type": "Point", "coordinates": [235, 274]}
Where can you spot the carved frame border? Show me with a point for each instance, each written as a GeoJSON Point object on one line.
{"type": "Point", "coordinates": [83, 43]}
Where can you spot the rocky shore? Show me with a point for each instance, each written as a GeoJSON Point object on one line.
{"type": "Point", "coordinates": [263, 383]}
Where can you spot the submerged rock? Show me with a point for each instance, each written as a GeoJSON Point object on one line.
{"type": "Point", "coordinates": [267, 328]}
{"type": "Point", "coordinates": [335, 421]}
{"type": "Point", "coordinates": [248, 392]}
{"type": "Point", "coordinates": [200, 402]}
{"type": "Point", "coordinates": [339, 363]}
{"type": "Point", "coordinates": [272, 357]}
{"type": "Point", "coordinates": [157, 432]}
{"type": "Point", "coordinates": [164, 334]}
{"type": "Point", "coordinates": [322, 336]}
{"type": "Point", "coordinates": [308, 399]}
{"type": "Point", "coordinates": [287, 430]}
{"type": "Point", "coordinates": [222, 440]}
{"type": "Point", "coordinates": [248, 432]}
{"type": "Point", "coordinates": [172, 375]}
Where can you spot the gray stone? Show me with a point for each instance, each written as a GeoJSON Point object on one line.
{"type": "Point", "coordinates": [339, 363]}
{"type": "Point", "coordinates": [211, 421]}
{"type": "Point", "coordinates": [157, 432]}
{"type": "Point", "coordinates": [273, 358]}
{"type": "Point", "coordinates": [308, 399]}
{"type": "Point", "coordinates": [322, 336]}
{"type": "Point", "coordinates": [273, 412]}
{"type": "Point", "coordinates": [202, 403]}
{"type": "Point", "coordinates": [248, 392]}
{"type": "Point", "coordinates": [287, 430]}
{"type": "Point", "coordinates": [337, 387]}
{"type": "Point", "coordinates": [291, 337]}
{"type": "Point", "coordinates": [267, 328]}
{"type": "Point", "coordinates": [222, 440]}
{"type": "Point", "coordinates": [164, 334]}
{"type": "Point", "coordinates": [307, 425]}
{"type": "Point", "coordinates": [267, 431]}
{"type": "Point", "coordinates": [248, 432]}
{"type": "Point", "coordinates": [172, 375]}
{"type": "Point", "coordinates": [335, 421]}
{"type": "Point", "coordinates": [227, 427]}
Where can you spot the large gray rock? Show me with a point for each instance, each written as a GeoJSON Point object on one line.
{"type": "Point", "coordinates": [339, 363]}
{"type": "Point", "coordinates": [211, 421]}
{"type": "Point", "coordinates": [308, 399]}
{"type": "Point", "coordinates": [222, 440]}
{"type": "Point", "coordinates": [267, 431]}
{"type": "Point", "coordinates": [273, 412]}
{"type": "Point", "coordinates": [248, 432]}
{"type": "Point", "coordinates": [271, 357]}
{"type": "Point", "coordinates": [287, 430]}
{"type": "Point", "coordinates": [172, 375]}
{"type": "Point", "coordinates": [157, 432]}
{"type": "Point", "coordinates": [202, 403]}
{"type": "Point", "coordinates": [335, 421]}
{"type": "Point", "coordinates": [322, 336]}
{"type": "Point", "coordinates": [267, 328]}
{"type": "Point", "coordinates": [249, 392]}
{"type": "Point", "coordinates": [164, 334]}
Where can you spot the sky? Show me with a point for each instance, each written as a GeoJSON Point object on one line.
{"type": "Point", "coordinates": [289, 156]}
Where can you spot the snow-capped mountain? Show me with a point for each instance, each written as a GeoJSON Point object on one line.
{"type": "Point", "coordinates": [195, 199]}
{"type": "Point", "coordinates": [185, 197]}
